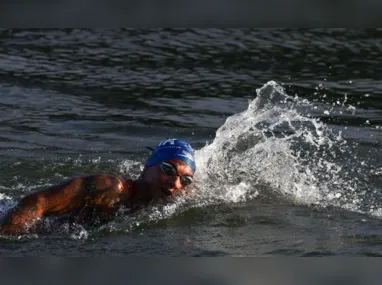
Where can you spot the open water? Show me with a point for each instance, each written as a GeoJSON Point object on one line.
{"type": "Point", "coordinates": [287, 125]}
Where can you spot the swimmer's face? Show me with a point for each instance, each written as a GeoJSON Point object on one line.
{"type": "Point", "coordinates": [168, 178]}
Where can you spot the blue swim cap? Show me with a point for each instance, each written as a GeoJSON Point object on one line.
{"type": "Point", "coordinates": [172, 149]}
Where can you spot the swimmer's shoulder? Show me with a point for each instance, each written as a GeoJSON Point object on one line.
{"type": "Point", "coordinates": [106, 181]}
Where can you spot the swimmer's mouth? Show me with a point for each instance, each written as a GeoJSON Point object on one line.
{"type": "Point", "coordinates": [166, 191]}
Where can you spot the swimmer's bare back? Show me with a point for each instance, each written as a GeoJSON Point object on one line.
{"type": "Point", "coordinates": [102, 193]}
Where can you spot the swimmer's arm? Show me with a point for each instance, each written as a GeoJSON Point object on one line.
{"type": "Point", "coordinates": [60, 199]}
{"type": "Point", "coordinates": [19, 219]}
{"type": "Point", "coordinates": [56, 200]}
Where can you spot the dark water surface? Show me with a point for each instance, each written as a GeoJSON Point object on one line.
{"type": "Point", "coordinates": [295, 170]}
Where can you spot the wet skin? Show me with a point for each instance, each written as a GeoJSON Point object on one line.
{"type": "Point", "coordinates": [91, 197]}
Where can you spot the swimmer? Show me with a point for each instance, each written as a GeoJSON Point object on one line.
{"type": "Point", "coordinates": [169, 170]}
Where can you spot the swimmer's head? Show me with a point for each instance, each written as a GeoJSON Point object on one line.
{"type": "Point", "coordinates": [170, 168]}
{"type": "Point", "coordinates": [172, 149]}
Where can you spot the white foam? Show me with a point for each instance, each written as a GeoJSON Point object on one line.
{"type": "Point", "coordinates": [6, 203]}
{"type": "Point", "coordinates": [272, 143]}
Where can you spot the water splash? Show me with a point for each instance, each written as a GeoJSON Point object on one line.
{"type": "Point", "coordinates": [6, 203]}
{"type": "Point", "coordinates": [274, 148]}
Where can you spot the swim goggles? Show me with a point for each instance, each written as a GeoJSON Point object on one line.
{"type": "Point", "coordinates": [170, 170]}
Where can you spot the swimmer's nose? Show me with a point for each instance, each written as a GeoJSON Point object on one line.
{"type": "Point", "coordinates": [175, 183]}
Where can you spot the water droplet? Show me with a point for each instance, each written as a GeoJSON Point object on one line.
{"type": "Point", "coordinates": [326, 113]}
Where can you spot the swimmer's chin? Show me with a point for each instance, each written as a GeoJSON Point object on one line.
{"type": "Point", "coordinates": [165, 194]}
{"type": "Point", "coordinates": [160, 194]}
{"type": "Point", "coordinates": [165, 191]}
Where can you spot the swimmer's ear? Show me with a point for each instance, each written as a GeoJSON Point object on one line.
{"type": "Point", "coordinates": [150, 148]}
